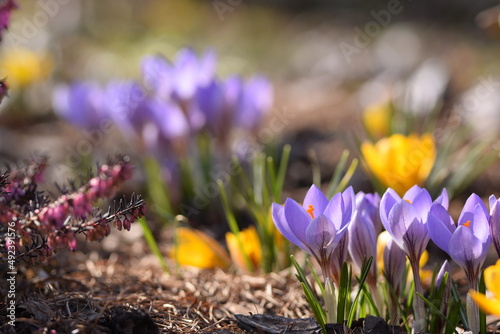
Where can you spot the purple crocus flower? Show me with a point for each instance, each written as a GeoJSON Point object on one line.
{"type": "Point", "coordinates": [212, 103]}
{"type": "Point", "coordinates": [469, 242]}
{"type": "Point", "coordinates": [254, 101]}
{"type": "Point", "coordinates": [318, 225]}
{"type": "Point", "coordinates": [339, 257]}
{"type": "Point", "coordinates": [370, 203]}
{"type": "Point", "coordinates": [495, 222]}
{"type": "Point", "coordinates": [189, 72]}
{"type": "Point", "coordinates": [363, 240]}
{"type": "Point", "coordinates": [152, 120]}
{"type": "Point", "coordinates": [405, 219]}
{"type": "Point", "coordinates": [156, 74]}
{"type": "Point", "coordinates": [81, 104]}
{"type": "Point", "coordinates": [394, 266]}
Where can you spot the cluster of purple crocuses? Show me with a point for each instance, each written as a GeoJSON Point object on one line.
{"type": "Point", "coordinates": [319, 225]}
{"type": "Point", "coordinates": [173, 104]}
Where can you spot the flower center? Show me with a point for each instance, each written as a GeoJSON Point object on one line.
{"type": "Point", "coordinates": [408, 201]}
{"type": "Point", "coordinates": [467, 223]}
{"type": "Point", "coordinates": [310, 211]}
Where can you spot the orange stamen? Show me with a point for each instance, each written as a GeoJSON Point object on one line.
{"type": "Point", "coordinates": [310, 211]}
{"type": "Point", "coordinates": [408, 201]}
{"type": "Point", "coordinates": [467, 223]}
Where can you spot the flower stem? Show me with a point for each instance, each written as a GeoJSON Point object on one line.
{"type": "Point", "coordinates": [330, 301]}
{"type": "Point", "coordinates": [418, 304]}
{"type": "Point", "coordinates": [472, 309]}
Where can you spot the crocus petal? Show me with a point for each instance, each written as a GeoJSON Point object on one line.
{"type": "Point", "coordinates": [349, 205]}
{"type": "Point", "coordinates": [487, 305]}
{"type": "Point", "coordinates": [297, 218]}
{"type": "Point", "coordinates": [492, 277]}
{"type": "Point", "coordinates": [443, 199]}
{"type": "Point", "coordinates": [480, 225]}
{"type": "Point", "coordinates": [81, 104]}
{"type": "Point", "coordinates": [440, 226]}
{"type": "Point", "coordinates": [321, 234]}
{"type": "Point", "coordinates": [469, 207]}
{"type": "Point", "coordinates": [278, 212]}
{"type": "Point", "coordinates": [389, 199]}
{"type": "Point", "coordinates": [371, 203]}
{"type": "Point", "coordinates": [334, 210]}
{"type": "Point", "coordinates": [399, 161]}
{"type": "Point", "coordinates": [472, 255]}
{"type": "Point", "coordinates": [254, 101]}
{"type": "Point", "coordinates": [421, 200]}
{"type": "Point", "coordinates": [492, 200]}
{"type": "Point", "coordinates": [362, 239]}
{"type": "Point", "coordinates": [210, 100]}
{"type": "Point", "coordinates": [208, 64]}
{"type": "Point", "coordinates": [445, 268]}
{"type": "Point", "coordinates": [495, 225]}
{"type": "Point", "coordinates": [195, 248]}
{"type": "Point", "coordinates": [407, 229]}
{"type": "Point", "coordinates": [394, 263]}
{"type": "Point", "coordinates": [169, 117]}
{"type": "Point", "coordinates": [251, 248]}
{"type": "Point", "coordinates": [155, 71]}
{"type": "Point", "coordinates": [412, 193]}
{"type": "Point", "coordinates": [186, 73]}
{"type": "Point", "coordinates": [317, 199]}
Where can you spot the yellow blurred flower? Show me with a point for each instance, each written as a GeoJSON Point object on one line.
{"type": "Point", "coordinates": [249, 248]}
{"type": "Point", "coordinates": [399, 161]}
{"type": "Point", "coordinates": [382, 240]}
{"type": "Point", "coordinates": [197, 249]}
{"type": "Point", "coordinates": [492, 279]}
{"type": "Point", "coordinates": [377, 119]}
{"type": "Point", "coordinates": [23, 67]}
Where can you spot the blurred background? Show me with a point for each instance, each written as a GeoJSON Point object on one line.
{"type": "Point", "coordinates": [327, 60]}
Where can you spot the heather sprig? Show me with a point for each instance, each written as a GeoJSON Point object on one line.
{"type": "Point", "coordinates": [41, 225]}
{"type": "Point", "coordinates": [6, 8]}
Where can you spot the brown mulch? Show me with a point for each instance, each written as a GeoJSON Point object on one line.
{"type": "Point", "coordinates": [127, 296]}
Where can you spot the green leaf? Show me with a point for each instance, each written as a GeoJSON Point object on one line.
{"type": "Point", "coordinates": [435, 310]}
{"type": "Point", "coordinates": [150, 240]}
{"type": "Point", "coordinates": [337, 174]}
{"type": "Point", "coordinates": [280, 179]}
{"type": "Point", "coordinates": [233, 224]}
{"type": "Point", "coordinates": [344, 291]}
{"type": "Point", "coordinates": [361, 281]}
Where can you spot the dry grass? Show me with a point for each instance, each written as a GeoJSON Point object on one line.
{"type": "Point", "coordinates": [125, 293]}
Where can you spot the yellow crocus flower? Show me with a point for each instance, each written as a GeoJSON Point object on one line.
{"type": "Point", "coordinates": [377, 119]}
{"type": "Point", "coordinates": [492, 279]}
{"type": "Point", "coordinates": [197, 249]}
{"type": "Point", "coordinates": [399, 161]}
{"type": "Point", "coordinates": [250, 248]}
{"type": "Point", "coordinates": [23, 67]}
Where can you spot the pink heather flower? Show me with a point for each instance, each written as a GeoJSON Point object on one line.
{"type": "Point", "coordinates": [6, 6]}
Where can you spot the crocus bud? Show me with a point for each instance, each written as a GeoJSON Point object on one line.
{"type": "Point", "coordinates": [495, 222]}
